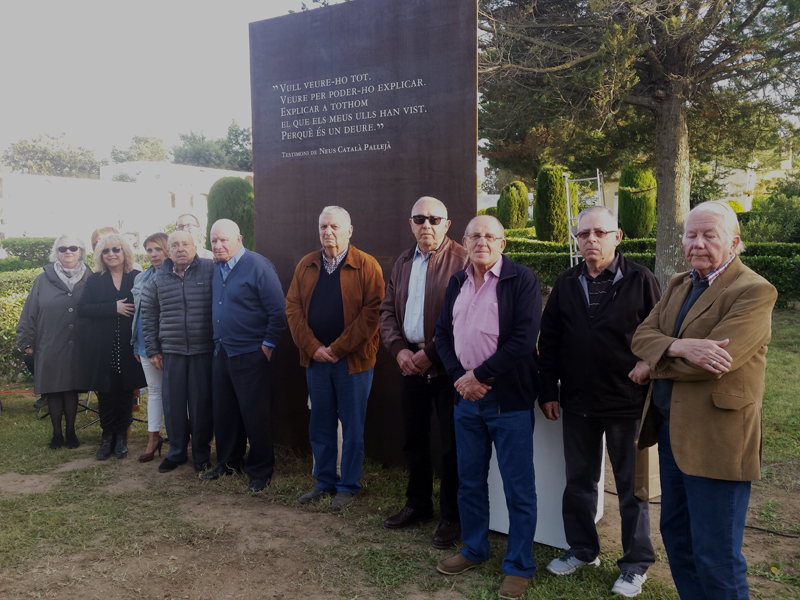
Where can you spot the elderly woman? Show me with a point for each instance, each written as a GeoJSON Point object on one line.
{"type": "Point", "coordinates": [110, 369]}
{"type": "Point", "coordinates": [156, 247]}
{"type": "Point", "coordinates": [46, 331]}
{"type": "Point", "coordinates": [706, 343]}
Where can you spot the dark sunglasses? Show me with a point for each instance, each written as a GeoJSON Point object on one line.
{"type": "Point", "coordinates": [115, 250]}
{"type": "Point", "coordinates": [63, 249]}
{"type": "Point", "coordinates": [420, 219]}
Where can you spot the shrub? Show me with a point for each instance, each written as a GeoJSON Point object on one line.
{"type": "Point", "coordinates": [13, 263]}
{"type": "Point", "coordinates": [550, 209]}
{"type": "Point", "coordinates": [481, 211]}
{"type": "Point", "coordinates": [777, 220]}
{"type": "Point", "coordinates": [512, 207]}
{"type": "Point", "coordinates": [35, 250]}
{"type": "Point", "coordinates": [737, 208]}
{"type": "Point", "coordinates": [788, 186]}
{"type": "Point", "coordinates": [14, 288]}
{"type": "Point", "coordinates": [232, 198]}
{"type": "Point", "coordinates": [527, 233]}
{"type": "Point", "coordinates": [637, 201]}
{"type": "Point", "coordinates": [492, 211]}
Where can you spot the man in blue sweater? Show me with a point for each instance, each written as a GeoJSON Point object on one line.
{"type": "Point", "coordinates": [248, 313]}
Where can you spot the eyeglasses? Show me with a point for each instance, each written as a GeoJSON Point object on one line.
{"type": "Point", "coordinates": [490, 239]}
{"type": "Point", "coordinates": [115, 250]}
{"type": "Point", "coordinates": [63, 249]}
{"type": "Point", "coordinates": [420, 219]}
{"type": "Point", "coordinates": [598, 233]}
{"type": "Point", "coordinates": [186, 226]}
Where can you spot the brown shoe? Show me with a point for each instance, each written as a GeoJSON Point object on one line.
{"type": "Point", "coordinates": [455, 565]}
{"type": "Point", "coordinates": [513, 587]}
{"type": "Point", "coordinates": [406, 517]}
{"type": "Point", "coordinates": [446, 534]}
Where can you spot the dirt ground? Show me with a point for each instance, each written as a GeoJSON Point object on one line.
{"type": "Point", "coordinates": [273, 551]}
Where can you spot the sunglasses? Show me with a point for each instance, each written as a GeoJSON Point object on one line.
{"type": "Point", "coordinates": [115, 250]}
{"type": "Point", "coordinates": [598, 233]}
{"type": "Point", "coordinates": [63, 249]}
{"type": "Point", "coordinates": [420, 219]}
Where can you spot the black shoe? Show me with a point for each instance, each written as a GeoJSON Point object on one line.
{"type": "Point", "coordinates": [104, 453]}
{"type": "Point", "coordinates": [121, 446]}
{"type": "Point", "coordinates": [220, 471]}
{"type": "Point", "coordinates": [406, 517]}
{"type": "Point", "coordinates": [72, 441]}
{"type": "Point", "coordinates": [203, 466]}
{"type": "Point", "coordinates": [447, 534]}
{"type": "Point", "coordinates": [257, 484]}
{"type": "Point", "coordinates": [316, 494]}
{"type": "Point", "coordinates": [40, 403]}
{"type": "Point", "coordinates": [168, 465]}
{"type": "Point", "coordinates": [57, 442]}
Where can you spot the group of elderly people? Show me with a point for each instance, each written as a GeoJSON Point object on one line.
{"type": "Point", "coordinates": [615, 360]}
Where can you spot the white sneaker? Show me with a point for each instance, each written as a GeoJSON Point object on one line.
{"type": "Point", "coordinates": [567, 564]}
{"type": "Point", "coordinates": [629, 584]}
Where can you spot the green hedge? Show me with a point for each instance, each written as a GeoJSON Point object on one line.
{"type": "Point", "coordinates": [14, 288]}
{"type": "Point", "coordinates": [14, 263]}
{"type": "Point", "coordinates": [36, 250]}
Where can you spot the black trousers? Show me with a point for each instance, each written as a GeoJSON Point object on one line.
{"type": "Point", "coordinates": [583, 453]}
{"type": "Point", "coordinates": [242, 400]}
{"type": "Point", "coordinates": [186, 396]}
{"type": "Point", "coordinates": [419, 396]}
{"type": "Point", "coordinates": [115, 407]}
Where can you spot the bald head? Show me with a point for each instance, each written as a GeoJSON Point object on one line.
{"type": "Point", "coordinates": [226, 241]}
{"type": "Point", "coordinates": [429, 223]}
{"type": "Point", "coordinates": [429, 203]}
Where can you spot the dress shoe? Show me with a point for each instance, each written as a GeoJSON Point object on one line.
{"type": "Point", "coordinates": [456, 565]}
{"type": "Point", "coordinates": [513, 587]}
{"type": "Point", "coordinates": [121, 445]}
{"type": "Point", "coordinates": [168, 465]}
{"type": "Point", "coordinates": [257, 484]}
{"type": "Point", "coordinates": [40, 403]}
{"type": "Point", "coordinates": [104, 453]}
{"type": "Point", "coordinates": [214, 474]}
{"type": "Point", "coordinates": [447, 534]}
{"type": "Point", "coordinates": [202, 466]}
{"type": "Point", "coordinates": [148, 456]}
{"type": "Point", "coordinates": [315, 494]}
{"type": "Point", "coordinates": [406, 517]}
{"type": "Point", "coordinates": [342, 499]}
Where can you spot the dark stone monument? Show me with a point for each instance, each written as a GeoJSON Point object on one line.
{"type": "Point", "coordinates": [367, 105]}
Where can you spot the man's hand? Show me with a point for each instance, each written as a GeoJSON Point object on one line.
{"type": "Point", "coordinates": [551, 411]}
{"type": "Point", "coordinates": [28, 351]}
{"type": "Point", "coordinates": [323, 354]}
{"type": "Point", "coordinates": [267, 351]}
{"type": "Point", "coordinates": [422, 361]}
{"type": "Point", "coordinates": [405, 358]}
{"type": "Point", "coordinates": [157, 361]}
{"type": "Point", "coordinates": [138, 360]}
{"type": "Point", "coordinates": [469, 388]}
{"type": "Point", "coordinates": [640, 373]}
{"type": "Point", "coordinates": [708, 354]}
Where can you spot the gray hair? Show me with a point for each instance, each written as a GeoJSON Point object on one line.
{"type": "Point", "coordinates": [598, 209]}
{"type": "Point", "coordinates": [729, 222]}
{"type": "Point", "coordinates": [54, 250]}
{"type": "Point", "coordinates": [335, 209]}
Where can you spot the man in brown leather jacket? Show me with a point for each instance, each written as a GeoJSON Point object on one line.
{"type": "Point", "coordinates": [409, 310]}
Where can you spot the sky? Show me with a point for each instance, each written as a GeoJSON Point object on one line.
{"type": "Point", "coordinates": [101, 72]}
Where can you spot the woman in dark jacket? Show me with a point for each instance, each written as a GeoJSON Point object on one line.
{"type": "Point", "coordinates": [110, 369]}
{"type": "Point", "coordinates": [46, 332]}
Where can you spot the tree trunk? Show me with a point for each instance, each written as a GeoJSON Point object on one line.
{"type": "Point", "coordinates": [673, 179]}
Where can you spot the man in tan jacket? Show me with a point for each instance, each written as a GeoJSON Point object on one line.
{"type": "Point", "coordinates": [706, 344]}
{"type": "Point", "coordinates": [413, 300]}
{"type": "Point", "coordinates": [332, 309]}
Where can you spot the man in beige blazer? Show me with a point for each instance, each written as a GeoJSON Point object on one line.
{"type": "Point", "coordinates": [706, 343]}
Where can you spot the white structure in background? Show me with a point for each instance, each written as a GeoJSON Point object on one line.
{"type": "Point", "coordinates": [44, 206]}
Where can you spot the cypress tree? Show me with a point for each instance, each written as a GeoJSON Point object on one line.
{"type": "Point", "coordinates": [550, 209]}
{"type": "Point", "coordinates": [637, 201]}
{"type": "Point", "coordinates": [512, 207]}
{"type": "Point", "coordinates": [232, 198]}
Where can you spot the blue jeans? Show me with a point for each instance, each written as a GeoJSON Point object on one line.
{"type": "Point", "coordinates": [702, 525]}
{"type": "Point", "coordinates": [478, 424]}
{"type": "Point", "coordinates": [337, 395]}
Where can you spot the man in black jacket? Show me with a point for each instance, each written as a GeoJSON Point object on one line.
{"type": "Point", "coordinates": [585, 343]}
{"type": "Point", "coordinates": [178, 338]}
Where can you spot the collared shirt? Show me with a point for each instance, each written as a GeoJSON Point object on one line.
{"type": "Point", "coordinates": [598, 287]}
{"type": "Point", "coordinates": [414, 322]}
{"type": "Point", "coordinates": [476, 321]}
{"type": "Point", "coordinates": [226, 267]}
{"type": "Point", "coordinates": [695, 276]}
{"type": "Point", "coordinates": [332, 265]}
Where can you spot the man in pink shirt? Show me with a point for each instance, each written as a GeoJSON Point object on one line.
{"type": "Point", "coordinates": [486, 337]}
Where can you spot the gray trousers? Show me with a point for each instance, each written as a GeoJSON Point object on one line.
{"type": "Point", "coordinates": [186, 396]}
{"type": "Point", "coordinates": [583, 453]}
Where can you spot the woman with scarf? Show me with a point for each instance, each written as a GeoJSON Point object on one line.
{"type": "Point", "coordinates": [46, 331]}
{"type": "Point", "coordinates": [106, 310]}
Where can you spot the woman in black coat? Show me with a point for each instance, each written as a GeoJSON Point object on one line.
{"type": "Point", "coordinates": [110, 369]}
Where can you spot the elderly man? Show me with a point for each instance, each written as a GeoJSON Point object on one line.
{"type": "Point", "coordinates": [176, 322]}
{"type": "Point", "coordinates": [486, 337]}
{"type": "Point", "coordinates": [409, 311]}
{"type": "Point", "coordinates": [706, 345]}
{"type": "Point", "coordinates": [332, 308]}
{"type": "Point", "coordinates": [587, 324]}
{"type": "Point", "coordinates": [188, 222]}
{"type": "Point", "coordinates": [248, 318]}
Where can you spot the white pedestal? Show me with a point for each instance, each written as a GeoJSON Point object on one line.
{"type": "Point", "coordinates": [548, 464]}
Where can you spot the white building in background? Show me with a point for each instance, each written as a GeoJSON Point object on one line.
{"type": "Point", "coordinates": [44, 206]}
